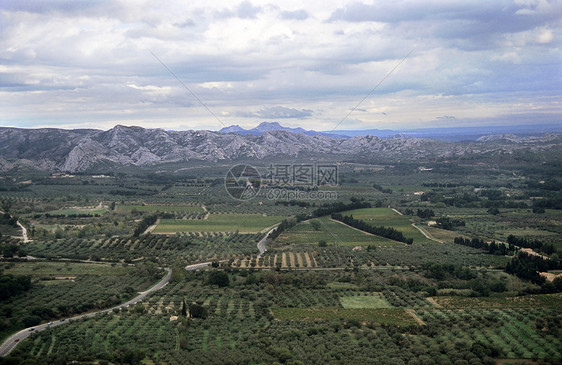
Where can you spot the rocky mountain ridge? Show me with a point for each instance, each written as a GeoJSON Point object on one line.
{"type": "Point", "coordinates": [80, 150]}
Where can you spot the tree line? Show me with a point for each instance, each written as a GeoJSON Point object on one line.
{"type": "Point", "coordinates": [386, 232]}
{"type": "Point", "coordinates": [492, 247]}
{"type": "Point", "coordinates": [144, 224]}
{"type": "Point", "coordinates": [319, 212]}
{"type": "Point", "coordinates": [528, 267]}
{"type": "Point", "coordinates": [531, 243]}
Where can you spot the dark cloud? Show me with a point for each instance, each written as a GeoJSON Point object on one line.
{"type": "Point", "coordinates": [279, 112]}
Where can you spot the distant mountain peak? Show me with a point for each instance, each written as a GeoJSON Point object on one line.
{"type": "Point", "coordinates": [269, 127]}
{"type": "Point", "coordinates": [232, 129]}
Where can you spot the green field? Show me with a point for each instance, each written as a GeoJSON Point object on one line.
{"type": "Point", "coordinates": [388, 218]}
{"type": "Point", "coordinates": [332, 232]}
{"type": "Point", "coordinates": [372, 301]}
{"type": "Point", "coordinates": [396, 316]}
{"type": "Point", "coordinates": [441, 234]}
{"type": "Point", "coordinates": [243, 223]}
{"type": "Point", "coordinates": [159, 208]}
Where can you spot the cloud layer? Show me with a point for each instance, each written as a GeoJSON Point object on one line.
{"type": "Point", "coordinates": [89, 63]}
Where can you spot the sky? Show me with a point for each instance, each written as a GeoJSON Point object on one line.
{"type": "Point", "coordinates": [322, 65]}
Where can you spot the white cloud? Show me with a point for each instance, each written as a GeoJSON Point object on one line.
{"type": "Point", "coordinates": [545, 36]}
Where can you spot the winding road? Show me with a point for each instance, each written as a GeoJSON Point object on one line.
{"type": "Point", "coordinates": [261, 243]}
{"type": "Point", "coordinates": [23, 232]}
{"type": "Point", "coordinates": [10, 343]}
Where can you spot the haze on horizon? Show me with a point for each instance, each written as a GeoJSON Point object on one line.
{"type": "Point", "coordinates": [88, 64]}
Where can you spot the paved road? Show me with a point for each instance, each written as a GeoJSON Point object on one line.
{"type": "Point", "coordinates": [198, 266]}
{"type": "Point", "coordinates": [261, 243]}
{"type": "Point", "coordinates": [10, 343]}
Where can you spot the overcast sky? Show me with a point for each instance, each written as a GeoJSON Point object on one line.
{"type": "Point", "coordinates": [89, 64]}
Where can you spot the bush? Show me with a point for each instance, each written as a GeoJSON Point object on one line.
{"type": "Point", "coordinates": [219, 278]}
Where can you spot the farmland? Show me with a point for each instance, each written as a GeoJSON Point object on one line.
{"type": "Point", "coordinates": [380, 316]}
{"type": "Point", "coordinates": [243, 223]}
{"type": "Point", "coordinates": [322, 292]}
{"type": "Point", "coordinates": [60, 289]}
{"type": "Point", "coordinates": [332, 232]}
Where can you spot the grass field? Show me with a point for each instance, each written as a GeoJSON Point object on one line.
{"type": "Point", "coordinates": [332, 232]}
{"type": "Point", "coordinates": [388, 218]}
{"type": "Point", "coordinates": [397, 316]}
{"type": "Point", "coordinates": [160, 208]}
{"type": "Point", "coordinates": [372, 301]}
{"type": "Point", "coordinates": [441, 234]}
{"type": "Point", "coordinates": [244, 223]}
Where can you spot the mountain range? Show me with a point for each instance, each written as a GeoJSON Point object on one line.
{"type": "Point", "coordinates": [84, 149]}
{"type": "Point", "coordinates": [453, 134]}
{"type": "Point", "coordinates": [275, 126]}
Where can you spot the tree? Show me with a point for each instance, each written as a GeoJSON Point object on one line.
{"type": "Point", "coordinates": [315, 225]}
{"type": "Point", "coordinates": [139, 308]}
{"type": "Point", "coordinates": [493, 211]}
{"type": "Point", "coordinates": [322, 243]}
{"type": "Point", "coordinates": [557, 282]}
{"type": "Point", "coordinates": [31, 321]}
{"type": "Point", "coordinates": [183, 309]}
{"type": "Point", "coordinates": [219, 278]}
{"type": "Point", "coordinates": [197, 311]}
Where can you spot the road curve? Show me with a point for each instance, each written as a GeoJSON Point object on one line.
{"type": "Point", "coordinates": [197, 266]}
{"type": "Point", "coordinates": [261, 243]}
{"type": "Point", "coordinates": [10, 343]}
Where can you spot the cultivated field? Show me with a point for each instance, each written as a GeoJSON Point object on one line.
{"type": "Point", "coordinates": [243, 223]}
